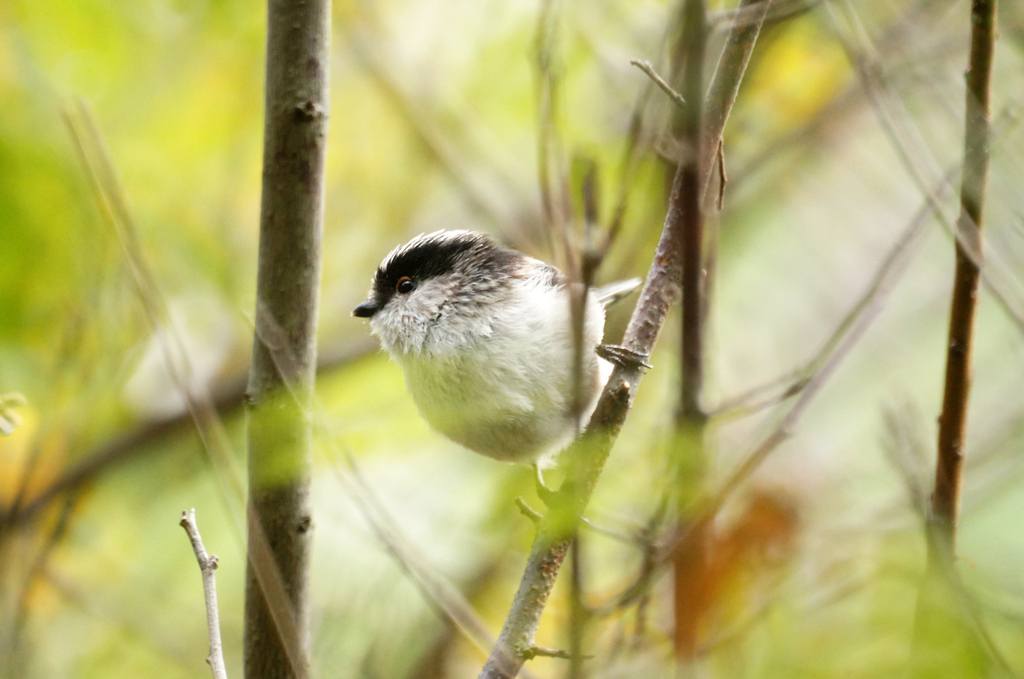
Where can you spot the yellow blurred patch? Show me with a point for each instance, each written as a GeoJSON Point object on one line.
{"type": "Point", "coordinates": [798, 74]}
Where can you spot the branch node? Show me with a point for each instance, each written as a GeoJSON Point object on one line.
{"type": "Point", "coordinates": [308, 110]}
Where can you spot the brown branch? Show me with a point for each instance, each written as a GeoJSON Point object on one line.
{"type": "Point", "coordinates": [703, 125]}
{"type": "Point", "coordinates": [690, 198]}
{"type": "Point", "coordinates": [940, 611]}
{"type": "Point", "coordinates": [208, 567]}
{"type": "Point", "coordinates": [280, 437]}
{"type": "Point", "coordinates": [977, 138]}
{"type": "Point", "coordinates": [688, 452]}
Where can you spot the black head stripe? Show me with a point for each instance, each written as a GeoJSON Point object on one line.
{"type": "Point", "coordinates": [441, 253]}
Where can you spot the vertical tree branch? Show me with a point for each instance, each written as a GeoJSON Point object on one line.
{"type": "Point", "coordinates": [694, 37]}
{"type": "Point", "coordinates": [688, 452]}
{"type": "Point", "coordinates": [939, 625]}
{"type": "Point", "coordinates": [703, 125]}
{"type": "Point", "coordinates": [953, 420]}
{"type": "Point", "coordinates": [280, 437]}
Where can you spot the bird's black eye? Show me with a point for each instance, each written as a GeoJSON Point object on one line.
{"type": "Point", "coordinates": [405, 285]}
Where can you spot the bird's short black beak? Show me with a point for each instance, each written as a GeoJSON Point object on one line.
{"type": "Point", "coordinates": [366, 309]}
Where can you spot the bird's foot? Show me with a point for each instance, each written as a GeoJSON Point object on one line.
{"type": "Point", "coordinates": [620, 355]}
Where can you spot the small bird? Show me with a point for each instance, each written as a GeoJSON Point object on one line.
{"type": "Point", "coordinates": [485, 338]}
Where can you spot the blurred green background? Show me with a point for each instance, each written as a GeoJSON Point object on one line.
{"type": "Point", "coordinates": [434, 124]}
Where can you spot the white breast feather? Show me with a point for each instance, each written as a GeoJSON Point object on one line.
{"type": "Point", "coordinates": [500, 382]}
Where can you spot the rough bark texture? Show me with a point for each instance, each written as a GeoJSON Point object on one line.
{"type": "Point", "coordinates": [283, 365]}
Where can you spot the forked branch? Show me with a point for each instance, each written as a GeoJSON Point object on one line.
{"type": "Point", "coordinates": [587, 457]}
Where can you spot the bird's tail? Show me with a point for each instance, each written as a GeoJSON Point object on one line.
{"type": "Point", "coordinates": [609, 294]}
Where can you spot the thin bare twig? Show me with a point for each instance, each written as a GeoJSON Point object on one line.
{"type": "Point", "coordinates": [725, 83]}
{"type": "Point", "coordinates": [542, 652]}
{"type": "Point", "coordinates": [114, 208]}
{"type": "Point", "coordinates": [920, 164]}
{"type": "Point", "coordinates": [112, 202]}
{"type": "Point", "coordinates": [646, 67]}
{"type": "Point", "coordinates": [208, 567]}
{"type": "Point", "coordinates": [528, 511]}
{"type": "Point", "coordinates": [690, 199]}
{"type": "Point", "coordinates": [886, 277]}
{"type": "Point", "coordinates": [934, 621]}
{"type": "Point", "coordinates": [869, 303]}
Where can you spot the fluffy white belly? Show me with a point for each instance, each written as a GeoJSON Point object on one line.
{"type": "Point", "coordinates": [505, 409]}
{"type": "Point", "coordinates": [500, 383]}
